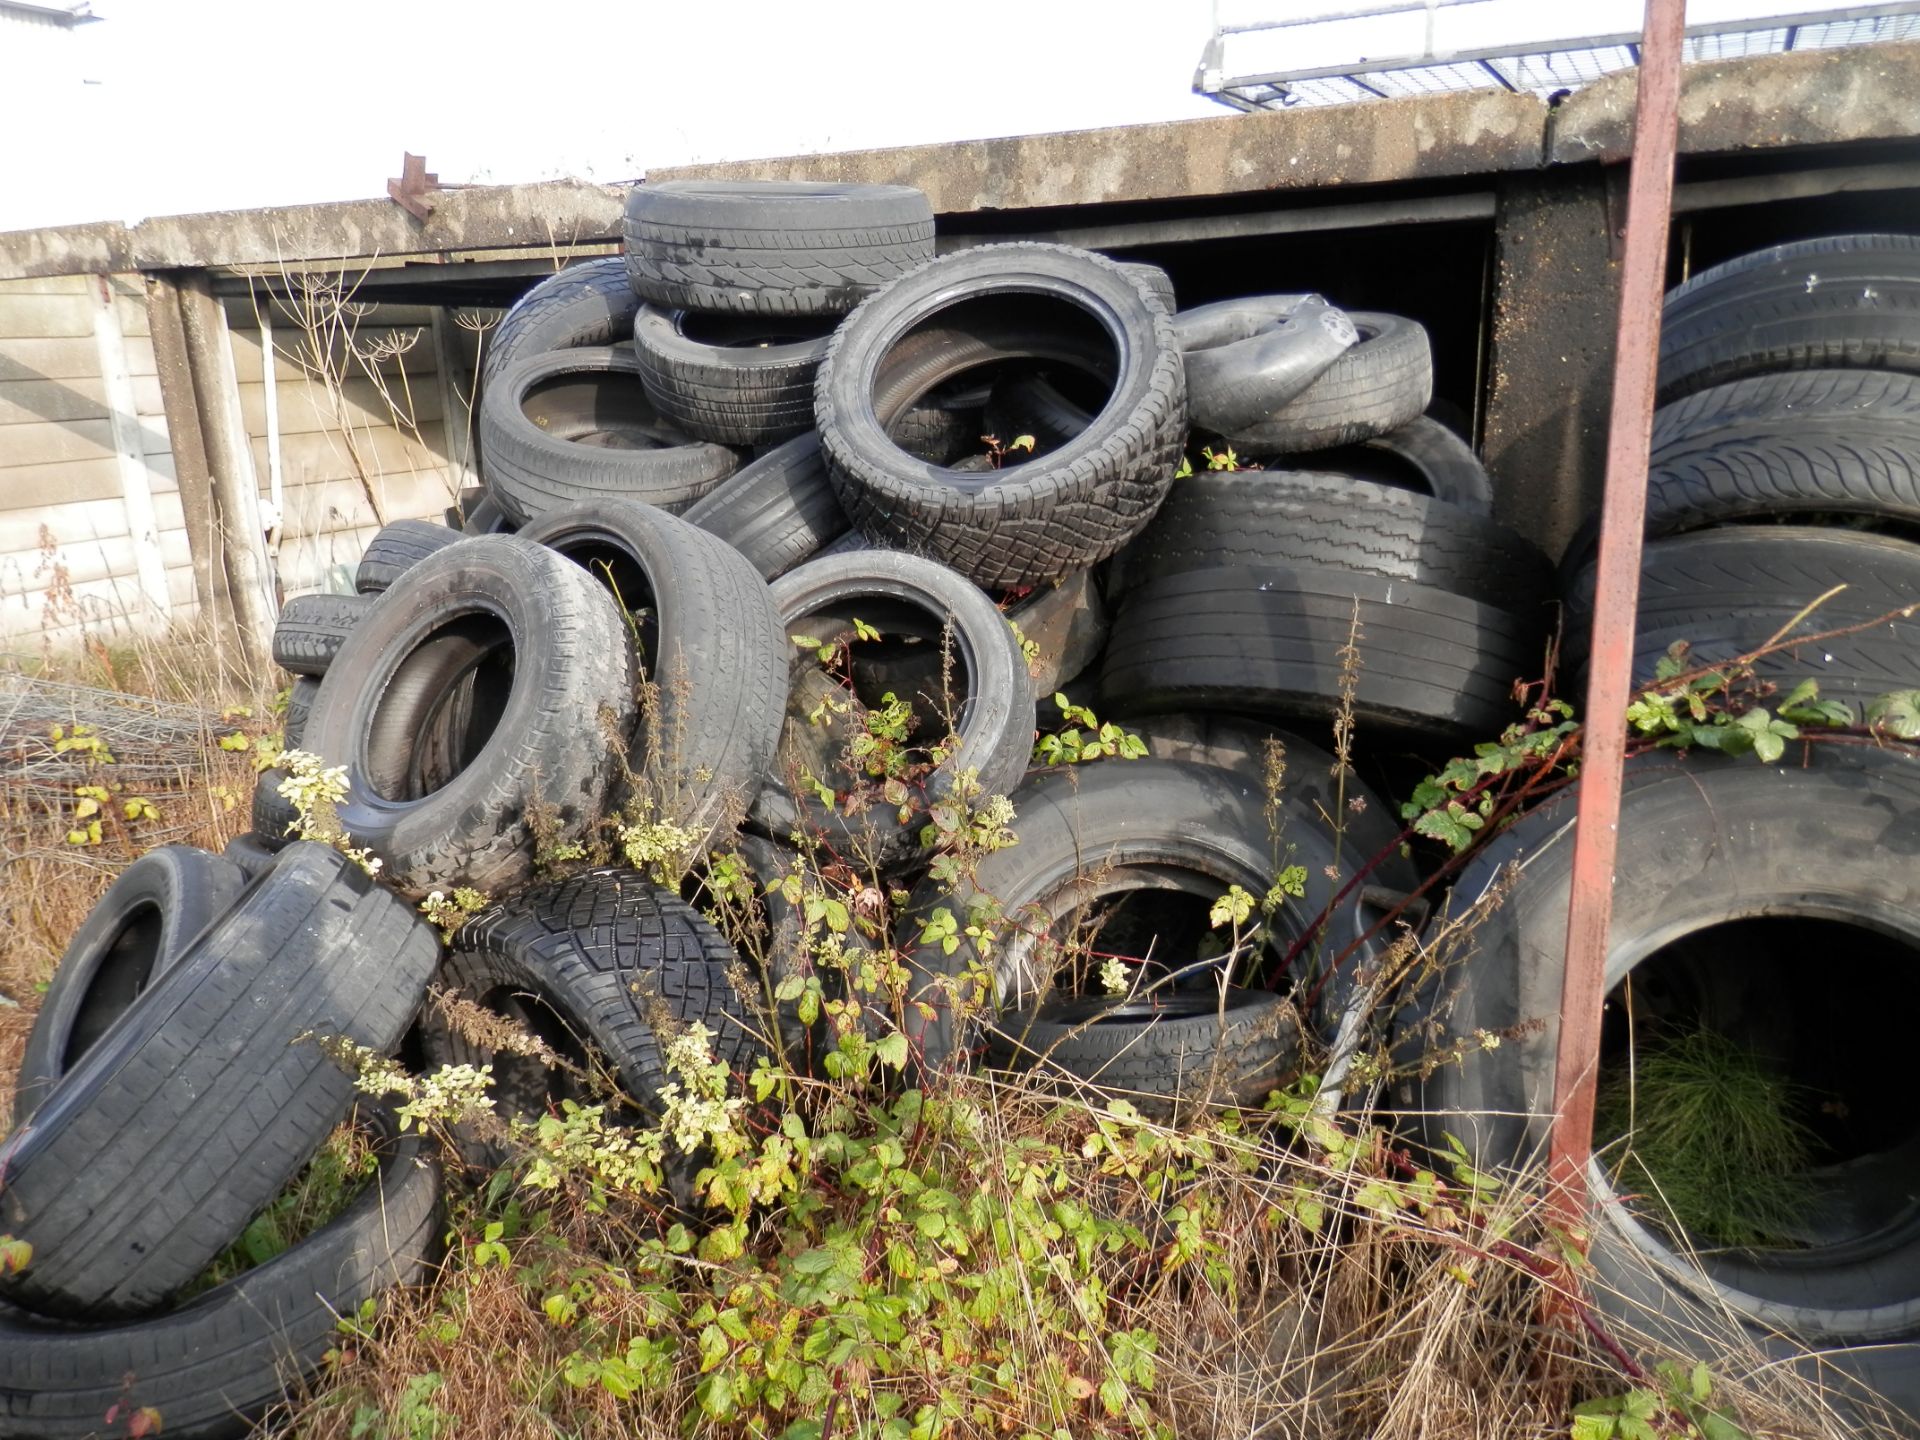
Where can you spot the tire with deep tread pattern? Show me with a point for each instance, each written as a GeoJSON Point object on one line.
{"type": "Point", "coordinates": [995, 717]}
{"type": "Point", "coordinates": [716, 654]}
{"type": "Point", "coordinates": [1382, 383]}
{"type": "Point", "coordinates": [1155, 281]}
{"type": "Point", "coordinates": [1165, 1055]}
{"type": "Point", "coordinates": [772, 247]}
{"type": "Point", "coordinates": [1727, 592]}
{"type": "Point", "coordinates": [133, 935]}
{"type": "Point", "coordinates": [1053, 514]}
{"type": "Point", "coordinates": [473, 695]}
{"type": "Point", "coordinates": [204, 1099]}
{"type": "Point", "coordinates": [1266, 641]}
{"type": "Point", "coordinates": [1089, 830]}
{"type": "Point", "coordinates": [778, 511]}
{"type": "Point", "coordinates": [395, 548]}
{"type": "Point", "coordinates": [312, 628]}
{"type": "Point", "coordinates": [590, 303]}
{"type": "Point", "coordinates": [1298, 518]}
{"type": "Point", "coordinates": [591, 435]}
{"type": "Point", "coordinates": [216, 1364]}
{"type": "Point", "coordinates": [1842, 302]}
{"type": "Point", "coordinates": [737, 380]}
{"type": "Point", "coordinates": [597, 952]}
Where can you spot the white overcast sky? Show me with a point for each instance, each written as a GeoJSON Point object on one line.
{"type": "Point", "coordinates": [212, 104]}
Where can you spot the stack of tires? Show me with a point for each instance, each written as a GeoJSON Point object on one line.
{"type": "Point", "coordinates": [1773, 906]}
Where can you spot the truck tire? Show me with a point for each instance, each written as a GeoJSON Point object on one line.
{"type": "Point", "coordinates": [1056, 513]}
{"type": "Point", "coordinates": [215, 1365]}
{"type": "Point", "coordinates": [1265, 641]}
{"type": "Point", "coordinates": [777, 511]}
{"type": "Point", "coordinates": [1842, 302]}
{"type": "Point", "coordinates": [1295, 517]}
{"type": "Point", "coordinates": [398, 546]}
{"type": "Point", "coordinates": [312, 628]}
{"type": "Point", "coordinates": [716, 655]}
{"type": "Point", "coordinates": [1704, 842]}
{"type": "Point", "coordinates": [1119, 826]}
{"type": "Point", "coordinates": [1381, 384]}
{"type": "Point", "coordinates": [473, 696]}
{"type": "Point", "coordinates": [995, 715]}
{"type": "Point", "coordinates": [193, 1111]}
{"type": "Point", "coordinates": [131, 937]}
{"type": "Point", "coordinates": [772, 247]}
{"type": "Point", "coordinates": [573, 426]}
{"type": "Point", "coordinates": [586, 304]}
{"type": "Point", "coordinates": [588, 962]}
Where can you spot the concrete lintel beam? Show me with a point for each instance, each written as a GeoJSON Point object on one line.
{"type": "Point", "coordinates": [1763, 102]}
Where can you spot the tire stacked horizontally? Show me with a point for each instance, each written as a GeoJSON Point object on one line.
{"type": "Point", "coordinates": [1782, 494]}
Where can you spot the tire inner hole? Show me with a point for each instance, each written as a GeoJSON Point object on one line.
{"type": "Point", "coordinates": [440, 708]}
{"type": "Point", "coordinates": [606, 409]}
{"type": "Point", "coordinates": [751, 332]}
{"type": "Point", "coordinates": [121, 974]}
{"type": "Point", "coordinates": [911, 661]}
{"type": "Point", "coordinates": [1752, 1092]}
{"type": "Point", "coordinates": [524, 1087]}
{"type": "Point", "coordinates": [616, 569]}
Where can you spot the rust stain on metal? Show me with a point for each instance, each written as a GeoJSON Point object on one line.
{"type": "Point", "coordinates": [1616, 601]}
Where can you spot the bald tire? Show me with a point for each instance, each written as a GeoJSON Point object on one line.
{"type": "Point", "coordinates": [778, 511]}
{"type": "Point", "coordinates": [205, 1099]}
{"type": "Point", "coordinates": [216, 1364]}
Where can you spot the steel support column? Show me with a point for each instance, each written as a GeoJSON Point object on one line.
{"type": "Point", "coordinates": [1616, 600]}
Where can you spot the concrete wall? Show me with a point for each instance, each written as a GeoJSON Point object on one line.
{"type": "Point", "coordinates": [91, 536]}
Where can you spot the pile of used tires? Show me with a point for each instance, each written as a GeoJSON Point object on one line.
{"type": "Point", "coordinates": [1775, 905]}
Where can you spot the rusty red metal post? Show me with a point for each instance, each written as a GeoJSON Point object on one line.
{"type": "Point", "coordinates": [1616, 600]}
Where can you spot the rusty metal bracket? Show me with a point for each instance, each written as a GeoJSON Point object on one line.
{"type": "Point", "coordinates": [410, 191]}
{"type": "Point", "coordinates": [1616, 603]}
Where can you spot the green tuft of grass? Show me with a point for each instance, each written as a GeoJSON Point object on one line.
{"type": "Point", "coordinates": [1708, 1132]}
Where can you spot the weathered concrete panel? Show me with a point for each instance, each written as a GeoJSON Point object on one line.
{"type": "Point", "coordinates": [1434, 135]}
{"type": "Point", "coordinates": [1809, 97]}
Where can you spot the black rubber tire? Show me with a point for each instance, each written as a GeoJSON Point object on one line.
{"type": "Point", "coordinates": [440, 798]}
{"type": "Point", "coordinates": [1727, 592]}
{"type": "Point", "coordinates": [312, 628]}
{"type": "Point", "coordinates": [1423, 453]}
{"type": "Point", "coordinates": [586, 398]}
{"type": "Point", "coordinates": [778, 511]}
{"type": "Point", "coordinates": [995, 717]}
{"type": "Point", "coordinates": [772, 247]}
{"type": "Point", "coordinates": [1702, 841]}
{"type": "Point", "coordinates": [602, 952]}
{"type": "Point", "coordinates": [745, 379]}
{"type": "Point", "coordinates": [1033, 405]}
{"type": "Point", "coordinates": [216, 1364]}
{"type": "Point", "coordinates": [716, 655]}
{"type": "Point", "coordinates": [1300, 518]}
{"type": "Point", "coordinates": [1166, 824]}
{"type": "Point", "coordinates": [396, 547]}
{"type": "Point", "coordinates": [1266, 641]}
{"type": "Point", "coordinates": [590, 303]}
{"type": "Point", "coordinates": [1155, 281]}
{"type": "Point", "coordinates": [272, 815]}
{"type": "Point", "coordinates": [1813, 442]}
{"type": "Point", "coordinates": [487, 518]}
{"type": "Point", "coordinates": [943, 425]}
{"type": "Point", "coordinates": [132, 936]}
{"type": "Point", "coordinates": [1054, 514]}
{"type": "Point", "coordinates": [1381, 384]}
{"type": "Point", "coordinates": [1841, 302]}
{"type": "Point", "coordinates": [192, 1112]}
{"type": "Point", "coordinates": [300, 697]}
{"type": "Point", "coordinates": [1166, 1054]}
{"type": "Point", "coordinates": [250, 853]}
{"type": "Point", "coordinates": [1247, 358]}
